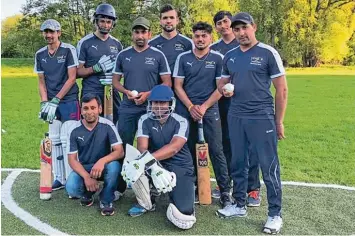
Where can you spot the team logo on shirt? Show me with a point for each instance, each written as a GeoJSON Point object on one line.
{"type": "Point", "coordinates": [94, 46]}
{"type": "Point", "coordinates": [160, 46]}
{"type": "Point", "coordinates": [81, 138]}
{"type": "Point", "coordinates": [113, 49]}
{"type": "Point", "coordinates": [232, 59]}
{"type": "Point", "coordinates": [256, 61]}
{"type": "Point", "coordinates": [61, 59]}
{"type": "Point", "coordinates": [210, 64]}
{"type": "Point", "coordinates": [44, 59]}
{"type": "Point", "coordinates": [179, 47]}
{"type": "Point", "coordinates": [155, 128]}
{"type": "Point", "coordinates": [128, 59]}
{"type": "Point", "coordinates": [150, 60]}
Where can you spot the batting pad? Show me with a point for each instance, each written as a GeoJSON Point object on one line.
{"type": "Point", "coordinates": [67, 127]}
{"type": "Point", "coordinates": [178, 219]}
{"type": "Point", "coordinates": [57, 153]}
{"type": "Point", "coordinates": [142, 191]}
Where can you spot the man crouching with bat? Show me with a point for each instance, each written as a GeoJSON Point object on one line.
{"type": "Point", "coordinates": [165, 157]}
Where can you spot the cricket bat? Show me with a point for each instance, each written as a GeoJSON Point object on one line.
{"type": "Point", "coordinates": [203, 170]}
{"type": "Point", "coordinates": [45, 186]}
{"type": "Point", "coordinates": [108, 103]}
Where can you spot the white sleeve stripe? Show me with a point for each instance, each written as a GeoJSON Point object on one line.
{"type": "Point", "coordinates": [179, 77]}
{"type": "Point", "coordinates": [140, 125]}
{"type": "Point", "coordinates": [72, 51]}
{"type": "Point", "coordinates": [183, 125]}
{"type": "Point", "coordinates": [177, 62]}
{"type": "Point", "coordinates": [116, 143]}
{"type": "Point", "coordinates": [275, 54]}
{"type": "Point", "coordinates": [277, 75]}
{"type": "Point", "coordinates": [109, 123]}
{"type": "Point", "coordinates": [217, 53]}
{"type": "Point", "coordinates": [166, 61]}
{"type": "Point", "coordinates": [114, 68]}
{"type": "Point", "coordinates": [217, 78]}
{"type": "Point", "coordinates": [178, 135]}
{"type": "Point", "coordinates": [143, 135]}
{"type": "Point", "coordinates": [78, 47]}
{"type": "Point", "coordinates": [225, 76]}
{"type": "Point", "coordinates": [83, 62]}
{"type": "Point", "coordinates": [165, 73]}
{"type": "Point", "coordinates": [117, 73]}
{"type": "Point", "coordinates": [73, 152]}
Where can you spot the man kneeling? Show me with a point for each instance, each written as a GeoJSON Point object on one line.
{"type": "Point", "coordinates": [94, 148]}
{"type": "Point", "coordinates": [164, 134]}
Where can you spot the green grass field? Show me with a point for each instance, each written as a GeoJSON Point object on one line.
{"type": "Point", "coordinates": [319, 148]}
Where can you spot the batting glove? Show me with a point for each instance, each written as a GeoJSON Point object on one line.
{"type": "Point", "coordinates": [107, 79]}
{"type": "Point", "coordinates": [163, 180]}
{"type": "Point", "coordinates": [105, 64]}
{"type": "Point", "coordinates": [43, 107]}
{"type": "Point", "coordinates": [49, 112]}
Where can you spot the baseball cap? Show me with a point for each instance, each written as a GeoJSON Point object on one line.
{"type": "Point", "coordinates": [141, 21]}
{"type": "Point", "coordinates": [242, 17]}
{"type": "Point", "coordinates": [50, 24]}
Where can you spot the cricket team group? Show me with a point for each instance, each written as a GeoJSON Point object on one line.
{"type": "Point", "coordinates": [170, 83]}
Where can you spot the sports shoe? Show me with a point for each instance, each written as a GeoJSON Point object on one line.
{"type": "Point", "coordinates": [216, 193]}
{"type": "Point", "coordinates": [71, 197]}
{"type": "Point", "coordinates": [107, 209]}
{"type": "Point", "coordinates": [273, 225]}
{"type": "Point", "coordinates": [232, 211]}
{"type": "Point", "coordinates": [225, 200]}
{"type": "Point", "coordinates": [138, 210]}
{"type": "Point", "coordinates": [118, 195]}
{"type": "Point", "coordinates": [57, 185]}
{"type": "Point", "coordinates": [197, 201]}
{"type": "Point", "coordinates": [254, 199]}
{"type": "Point", "coordinates": [87, 201]}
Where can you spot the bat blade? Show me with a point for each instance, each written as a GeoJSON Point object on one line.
{"type": "Point", "coordinates": [45, 186]}
{"type": "Point", "coordinates": [203, 174]}
{"type": "Point", "coordinates": [131, 153]}
{"type": "Point", "coordinates": [108, 103]}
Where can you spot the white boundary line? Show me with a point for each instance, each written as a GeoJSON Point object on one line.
{"type": "Point", "coordinates": [10, 204]}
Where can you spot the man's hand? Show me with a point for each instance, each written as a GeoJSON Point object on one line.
{"type": "Point", "coordinates": [130, 95]}
{"type": "Point", "coordinates": [49, 111]}
{"type": "Point", "coordinates": [195, 112]}
{"type": "Point", "coordinates": [227, 94]}
{"type": "Point", "coordinates": [105, 64]}
{"type": "Point", "coordinates": [202, 109]}
{"type": "Point", "coordinates": [43, 107]}
{"type": "Point", "coordinates": [141, 98]}
{"type": "Point", "coordinates": [280, 130]}
{"type": "Point", "coordinates": [163, 180]}
{"type": "Point", "coordinates": [131, 171]}
{"type": "Point", "coordinates": [97, 169]}
{"type": "Point", "coordinates": [91, 184]}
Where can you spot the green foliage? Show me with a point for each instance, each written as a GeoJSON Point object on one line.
{"type": "Point", "coordinates": [305, 32]}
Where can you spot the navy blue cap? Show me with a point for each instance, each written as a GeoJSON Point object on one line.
{"type": "Point", "coordinates": [242, 17]}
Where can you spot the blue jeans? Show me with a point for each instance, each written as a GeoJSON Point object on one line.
{"type": "Point", "coordinates": [75, 185]}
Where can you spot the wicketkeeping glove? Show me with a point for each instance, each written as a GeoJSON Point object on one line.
{"type": "Point", "coordinates": [49, 112]}
{"type": "Point", "coordinates": [163, 180]}
{"type": "Point", "coordinates": [105, 64]}
{"type": "Point", "coordinates": [107, 79]}
{"type": "Point", "coordinates": [132, 170]}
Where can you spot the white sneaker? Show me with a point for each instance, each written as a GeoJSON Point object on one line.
{"type": "Point", "coordinates": [231, 211]}
{"type": "Point", "coordinates": [273, 225]}
{"type": "Point", "coordinates": [118, 195]}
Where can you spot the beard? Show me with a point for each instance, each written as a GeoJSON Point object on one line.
{"type": "Point", "coordinates": [140, 43]}
{"type": "Point", "coordinates": [168, 30]}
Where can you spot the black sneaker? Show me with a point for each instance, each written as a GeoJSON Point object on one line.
{"type": "Point", "coordinates": [87, 201]}
{"type": "Point", "coordinates": [225, 200]}
{"type": "Point", "coordinates": [107, 209]}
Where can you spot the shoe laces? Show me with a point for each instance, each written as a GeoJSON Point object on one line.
{"type": "Point", "coordinates": [254, 194]}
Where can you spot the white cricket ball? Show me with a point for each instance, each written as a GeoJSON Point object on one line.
{"type": "Point", "coordinates": [134, 93]}
{"type": "Point", "coordinates": [229, 87]}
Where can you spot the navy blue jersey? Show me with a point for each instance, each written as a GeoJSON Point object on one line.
{"type": "Point", "coordinates": [252, 72]}
{"type": "Point", "coordinates": [160, 135]}
{"type": "Point", "coordinates": [55, 70]}
{"type": "Point", "coordinates": [95, 144]}
{"type": "Point", "coordinates": [172, 47]}
{"type": "Point", "coordinates": [141, 72]}
{"type": "Point", "coordinates": [222, 47]}
{"type": "Point", "coordinates": [200, 77]}
{"type": "Point", "coordinates": [90, 49]}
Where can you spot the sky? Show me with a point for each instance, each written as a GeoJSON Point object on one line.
{"type": "Point", "coordinates": [11, 7]}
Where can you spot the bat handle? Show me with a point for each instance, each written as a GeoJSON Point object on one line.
{"type": "Point", "coordinates": [201, 137]}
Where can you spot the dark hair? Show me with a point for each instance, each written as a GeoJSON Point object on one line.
{"type": "Point", "coordinates": [90, 96]}
{"type": "Point", "coordinates": [220, 15]}
{"type": "Point", "coordinates": [168, 7]}
{"type": "Point", "coordinates": [202, 26]}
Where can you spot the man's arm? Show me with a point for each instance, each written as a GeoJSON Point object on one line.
{"type": "Point", "coordinates": [180, 92]}
{"type": "Point", "coordinates": [281, 93]}
{"type": "Point", "coordinates": [166, 79]}
{"type": "Point", "coordinates": [84, 72]}
{"type": "Point", "coordinates": [215, 96]}
{"type": "Point", "coordinates": [69, 83]}
{"type": "Point", "coordinates": [42, 87]}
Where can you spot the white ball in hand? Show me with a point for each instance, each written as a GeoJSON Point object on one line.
{"type": "Point", "coordinates": [229, 87]}
{"type": "Point", "coordinates": [134, 93]}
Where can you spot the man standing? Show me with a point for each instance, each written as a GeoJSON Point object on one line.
{"type": "Point", "coordinates": [56, 65]}
{"type": "Point", "coordinates": [252, 121]}
{"type": "Point", "coordinates": [142, 67]}
{"type": "Point", "coordinates": [196, 74]}
{"type": "Point", "coordinates": [97, 52]}
{"type": "Point", "coordinates": [170, 42]}
{"type": "Point", "coordinates": [162, 137]}
{"type": "Point", "coordinates": [90, 156]}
